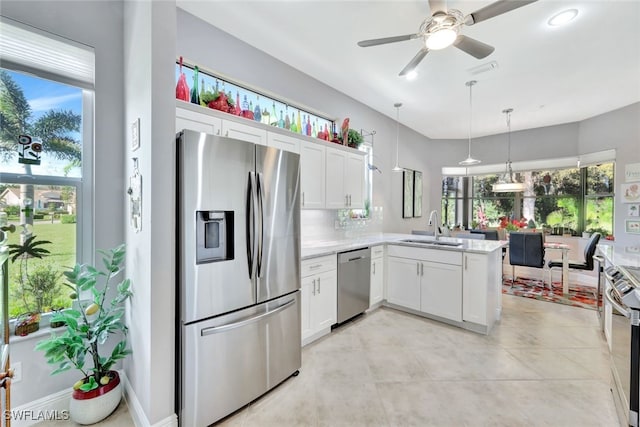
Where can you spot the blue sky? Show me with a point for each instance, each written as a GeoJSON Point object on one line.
{"type": "Point", "coordinates": [44, 95]}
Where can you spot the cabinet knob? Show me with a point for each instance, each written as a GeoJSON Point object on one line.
{"type": "Point", "coordinates": [313, 288]}
{"type": "Point", "coordinates": [318, 286]}
{"type": "Point", "coordinates": [218, 133]}
{"type": "Point", "coordinates": [226, 134]}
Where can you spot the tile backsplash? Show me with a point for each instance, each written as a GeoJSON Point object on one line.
{"type": "Point", "coordinates": [328, 225]}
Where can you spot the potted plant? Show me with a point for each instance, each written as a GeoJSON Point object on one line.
{"type": "Point", "coordinates": [88, 327]}
{"type": "Point", "coordinates": [354, 138]}
{"type": "Point", "coordinates": [30, 291]}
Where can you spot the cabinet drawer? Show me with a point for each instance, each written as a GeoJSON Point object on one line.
{"type": "Point", "coordinates": [434, 255]}
{"type": "Point", "coordinates": [318, 265]}
{"type": "Point", "coordinates": [377, 251]}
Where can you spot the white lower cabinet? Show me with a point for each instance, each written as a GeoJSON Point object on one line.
{"type": "Point", "coordinates": [482, 288]}
{"type": "Point", "coordinates": [404, 282]}
{"type": "Point", "coordinates": [376, 290]}
{"type": "Point", "coordinates": [430, 281]}
{"type": "Point", "coordinates": [441, 290]}
{"type": "Point", "coordinates": [319, 297]}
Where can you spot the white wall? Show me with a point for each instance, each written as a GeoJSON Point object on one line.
{"type": "Point", "coordinates": [209, 47]}
{"type": "Point", "coordinates": [97, 24]}
{"type": "Point", "coordinates": [149, 55]}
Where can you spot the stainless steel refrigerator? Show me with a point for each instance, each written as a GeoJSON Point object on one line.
{"type": "Point", "coordinates": [238, 296]}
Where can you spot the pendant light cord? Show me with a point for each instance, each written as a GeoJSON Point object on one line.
{"type": "Point", "coordinates": [397, 105]}
{"type": "Point", "coordinates": [470, 84]}
{"type": "Point", "coordinates": [509, 171]}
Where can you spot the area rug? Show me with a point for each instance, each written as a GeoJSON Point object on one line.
{"type": "Point", "coordinates": [579, 296]}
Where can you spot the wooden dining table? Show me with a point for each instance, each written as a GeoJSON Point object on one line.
{"type": "Point", "coordinates": [565, 264]}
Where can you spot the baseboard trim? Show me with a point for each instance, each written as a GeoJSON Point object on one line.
{"type": "Point", "coordinates": [135, 408]}
{"type": "Point", "coordinates": [54, 406]}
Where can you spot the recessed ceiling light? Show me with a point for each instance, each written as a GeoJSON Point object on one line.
{"type": "Point", "coordinates": [411, 75]}
{"type": "Point", "coordinates": [563, 17]}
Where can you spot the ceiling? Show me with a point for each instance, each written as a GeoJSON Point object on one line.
{"type": "Point", "coordinates": [548, 75]}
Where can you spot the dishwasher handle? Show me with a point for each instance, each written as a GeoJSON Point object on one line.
{"type": "Point", "coordinates": [355, 255]}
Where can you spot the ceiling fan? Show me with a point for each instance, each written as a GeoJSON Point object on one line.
{"type": "Point", "coordinates": [442, 29]}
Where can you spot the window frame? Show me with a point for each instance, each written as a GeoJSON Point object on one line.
{"type": "Point", "coordinates": [83, 186]}
{"type": "Point", "coordinates": [581, 198]}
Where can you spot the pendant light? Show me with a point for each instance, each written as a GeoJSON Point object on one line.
{"type": "Point", "coordinates": [470, 160]}
{"type": "Point", "coordinates": [397, 168]}
{"type": "Point", "coordinates": [506, 183]}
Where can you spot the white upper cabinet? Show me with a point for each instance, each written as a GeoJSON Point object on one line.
{"type": "Point", "coordinates": [336, 163]}
{"type": "Point", "coordinates": [345, 179]}
{"type": "Point", "coordinates": [354, 180]}
{"type": "Point", "coordinates": [187, 119]}
{"type": "Point", "coordinates": [312, 176]}
{"type": "Point", "coordinates": [283, 142]}
{"type": "Point", "coordinates": [244, 132]}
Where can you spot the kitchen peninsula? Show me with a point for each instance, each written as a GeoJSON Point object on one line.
{"type": "Point", "coordinates": [455, 281]}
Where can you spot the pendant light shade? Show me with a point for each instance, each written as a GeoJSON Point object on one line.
{"type": "Point", "coordinates": [397, 168]}
{"type": "Point", "coordinates": [506, 183]}
{"type": "Point", "coordinates": [470, 160]}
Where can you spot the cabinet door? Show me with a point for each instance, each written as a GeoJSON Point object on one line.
{"type": "Point", "coordinates": [441, 290]}
{"type": "Point", "coordinates": [306, 298]}
{"type": "Point", "coordinates": [354, 180]}
{"type": "Point", "coordinates": [475, 285]}
{"type": "Point", "coordinates": [403, 285]}
{"type": "Point", "coordinates": [325, 301]}
{"type": "Point", "coordinates": [312, 176]}
{"type": "Point", "coordinates": [186, 119]}
{"type": "Point", "coordinates": [283, 142]}
{"type": "Point", "coordinates": [336, 164]}
{"type": "Point", "coordinates": [377, 281]}
{"type": "Point", "coordinates": [244, 132]}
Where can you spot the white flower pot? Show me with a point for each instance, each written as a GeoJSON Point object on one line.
{"type": "Point", "coordinates": [95, 405]}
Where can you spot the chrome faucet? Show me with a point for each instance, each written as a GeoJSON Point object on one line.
{"type": "Point", "coordinates": [436, 230]}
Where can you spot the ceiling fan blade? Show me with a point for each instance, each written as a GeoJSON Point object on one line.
{"type": "Point", "coordinates": [495, 9]}
{"type": "Point", "coordinates": [438, 6]}
{"type": "Point", "coordinates": [473, 47]}
{"type": "Point", "coordinates": [376, 42]}
{"type": "Point", "coordinates": [414, 62]}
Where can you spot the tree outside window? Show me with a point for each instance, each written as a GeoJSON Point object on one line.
{"type": "Point", "coordinates": [39, 199]}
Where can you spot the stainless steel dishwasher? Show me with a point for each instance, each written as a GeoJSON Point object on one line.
{"type": "Point", "coordinates": [354, 276]}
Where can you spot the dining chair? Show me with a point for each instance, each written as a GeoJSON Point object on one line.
{"type": "Point", "coordinates": [526, 250]}
{"type": "Point", "coordinates": [586, 265]}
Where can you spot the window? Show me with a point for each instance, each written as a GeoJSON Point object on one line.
{"type": "Point", "coordinates": [563, 201]}
{"type": "Point", "coordinates": [46, 93]}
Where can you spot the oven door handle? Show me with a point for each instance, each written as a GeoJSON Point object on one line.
{"type": "Point", "coordinates": [617, 306]}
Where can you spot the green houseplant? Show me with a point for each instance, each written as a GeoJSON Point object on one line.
{"type": "Point", "coordinates": [88, 326]}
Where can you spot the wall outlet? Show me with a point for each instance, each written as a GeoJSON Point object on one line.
{"type": "Point", "coordinates": [17, 372]}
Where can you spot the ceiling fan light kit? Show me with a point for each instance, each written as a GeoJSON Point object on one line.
{"type": "Point", "coordinates": [469, 161]}
{"type": "Point", "coordinates": [442, 29]}
{"type": "Point", "coordinates": [563, 17]}
{"type": "Point", "coordinates": [506, 183]}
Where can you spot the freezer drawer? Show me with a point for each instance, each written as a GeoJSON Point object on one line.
{"type": "Point", "coordinates": [233, 359]}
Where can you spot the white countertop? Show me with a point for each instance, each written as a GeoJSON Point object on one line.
{"type": "Point", "coordinates": [314, 249]}
{"type": "Point", "coordinates": [621, 255]}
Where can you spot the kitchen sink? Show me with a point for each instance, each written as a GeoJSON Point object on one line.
{"type": "Point", "coordinates": [433, 242]}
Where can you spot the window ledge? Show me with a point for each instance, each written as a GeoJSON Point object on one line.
{"type": "Point", "coordinates": [40, 333]}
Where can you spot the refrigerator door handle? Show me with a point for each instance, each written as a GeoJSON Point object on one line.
{"type": "Point", "coordinates": [260, 216]}
{"type": "Point", "coordinates": [224, 328]}
{"type": "Point", "coordinates": [251, 224]}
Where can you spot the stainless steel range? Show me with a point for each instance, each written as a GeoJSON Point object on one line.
{"type": "Point", "coordinates": [623, 293]}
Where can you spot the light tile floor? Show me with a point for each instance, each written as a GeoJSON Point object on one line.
{"type": "Point", "coordinates": [544, 364]}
